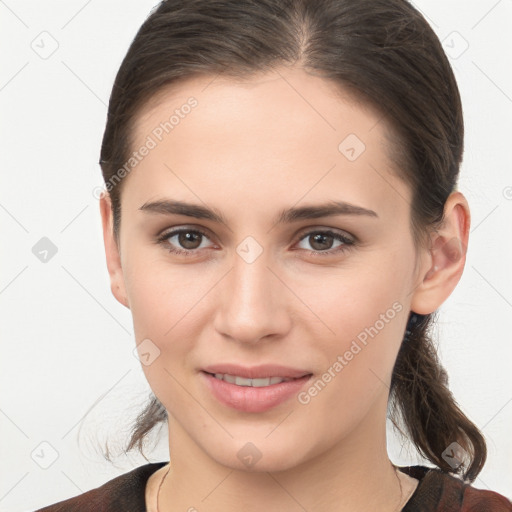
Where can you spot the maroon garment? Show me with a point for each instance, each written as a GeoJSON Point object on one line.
{"type": "Point", "coordinates": [440, 492]}
{"type": "Point", "coordinates": [436, 492]}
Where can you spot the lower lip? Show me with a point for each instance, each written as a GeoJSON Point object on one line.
{"type": "Point", "coordinates": [251, 399]}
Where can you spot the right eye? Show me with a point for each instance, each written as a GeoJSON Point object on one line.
{"type": "Point", "coordinates": [183, 241]}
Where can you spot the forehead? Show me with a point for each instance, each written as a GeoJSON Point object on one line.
{"type": "Point", "coordinates": [283, 96]}
{"type": "Point", "coordinates": [284, 132]}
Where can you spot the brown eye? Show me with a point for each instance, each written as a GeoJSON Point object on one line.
{"type": "Point", "coordinates": [325, 242]}
{"type": "Point", "coordinates": [189, 239]}
{"type": "Point", "coordinates": [321, 242]}
{"type": "Point", "coordinates": [183, 241]}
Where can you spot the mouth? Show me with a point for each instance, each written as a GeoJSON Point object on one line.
{"type": "Point", "coordinates": [254, 394]}
{"type": "Point", "coordinates": [255, 383]}
{"type": "Point", "coordinates": [262, 371]}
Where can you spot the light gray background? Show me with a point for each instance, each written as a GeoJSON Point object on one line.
{"type": "Point", "coordinates": [69, 378]}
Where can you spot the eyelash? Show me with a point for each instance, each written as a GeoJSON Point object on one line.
{"type": "Point", "coordinates": [347, 243]}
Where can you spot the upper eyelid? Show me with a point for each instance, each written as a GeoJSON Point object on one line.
{"type": "Point", "coordinates": [177, 229]}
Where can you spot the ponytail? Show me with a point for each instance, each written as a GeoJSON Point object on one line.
{"type": "Point", "coordinates": [152, 414]}
{"type": "Point", "coordinates": [421, 401]}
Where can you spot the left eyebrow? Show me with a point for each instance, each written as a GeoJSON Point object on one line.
{"type": "Point", "coordinates": [169, 207]}
{"type": "Point", "coordinates": [322, 210]}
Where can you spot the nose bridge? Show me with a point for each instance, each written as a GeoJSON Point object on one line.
{"type": "Point", "coordinates": [251, 305]}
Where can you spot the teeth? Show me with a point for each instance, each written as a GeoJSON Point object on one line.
{"type": "Point", "coordinates": [241, 381]}
{"type": "Point", "coordinates": [255, 383]}
{"type": "Point", "coordinates": [229, 378]}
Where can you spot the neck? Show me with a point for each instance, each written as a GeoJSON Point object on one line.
{"type": "Point", "coordinates": [355, 474]}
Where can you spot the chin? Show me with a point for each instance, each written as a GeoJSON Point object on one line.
{"type": "Point", "coordinates": [259, 457]}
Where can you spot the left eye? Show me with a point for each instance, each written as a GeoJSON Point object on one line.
{"type": "Point", "coordinates": [322, 241]}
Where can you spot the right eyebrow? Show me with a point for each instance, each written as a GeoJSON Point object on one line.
{"type": "Point", "coordinates": [168, 207]}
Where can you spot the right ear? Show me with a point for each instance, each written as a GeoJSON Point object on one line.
{"type": "Point", "coordinates": [112, 253]}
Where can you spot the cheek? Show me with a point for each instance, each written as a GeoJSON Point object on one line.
{"type": "Point", "coordinates": [167, 305]}
{"type": "Point", "coordinates": [365, 310]}
{"type": "Point", "coordinates": [161, 295]}
{"type": "Point", "coordinates": [358, 360]}
{"type": "Point", "coordinates": [366, 339]}
{"type": "Point", "coordinates": [163, 302]}
{"type": "Point", "coordinates": [351, 302]}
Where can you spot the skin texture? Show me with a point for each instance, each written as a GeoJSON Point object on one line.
{"type": "Point", "coordinates": [250, 149]}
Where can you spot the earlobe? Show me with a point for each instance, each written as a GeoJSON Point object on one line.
{"type": "Point", "coordinates": [112, 253]}
{"type": "Point", "coordinates": [447, 257]}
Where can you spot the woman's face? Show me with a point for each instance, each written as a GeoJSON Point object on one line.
{"type": "Point", "coordinates": [266, 278]}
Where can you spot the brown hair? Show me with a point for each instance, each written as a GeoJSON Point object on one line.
{"type": "Point", "coordinates": [385, 52]}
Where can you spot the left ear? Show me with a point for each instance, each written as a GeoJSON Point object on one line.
{"type": "Point", "coordinates": [444, 264]}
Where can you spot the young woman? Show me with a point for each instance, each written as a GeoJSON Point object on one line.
{"type": "Point", "coordinates": [282, 220]}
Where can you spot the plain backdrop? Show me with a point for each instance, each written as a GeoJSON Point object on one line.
{"type": "Point", "coordinates": [69, 379]}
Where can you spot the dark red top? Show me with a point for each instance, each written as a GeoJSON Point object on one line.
{"type": "Point", "coordinates": [436, 492]}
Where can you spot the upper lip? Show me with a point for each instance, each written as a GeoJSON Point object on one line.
{"type": "Point", "coordinates": [257, 372]}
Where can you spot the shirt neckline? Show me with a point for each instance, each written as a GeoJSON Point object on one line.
{"type": "Point", "coordinates": [418, 472]}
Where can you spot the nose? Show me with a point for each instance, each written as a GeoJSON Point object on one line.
{"type": "Point", "coordinates": [253, 303]}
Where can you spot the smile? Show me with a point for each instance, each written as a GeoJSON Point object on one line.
{"type": "Point", "coordinates": [256, 383]}
{"type": "Point", "coordinates": [254, 395]}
